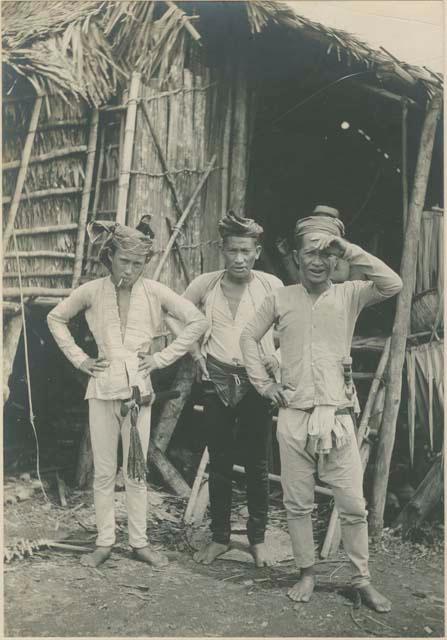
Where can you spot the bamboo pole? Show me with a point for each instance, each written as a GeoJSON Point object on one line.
{"type": "Point", "coordinates": [11, 335]}
{"type": "Point", "coordinates": [59, 124]}
{"type": "Point", "coordinates": [200, 475]}
{"type": "Point", "coordinates": [45, 193]}
{"type": "Point", "coordinates": [55, 228]}
{"type": "Point", "coordinates": [402, 318]}
{"type": "Point", "coordinates": [333, 533]}
{"type": "Point", "coordinates": [41, 254]}
{"type": "Point", "coordinates": [186, 23]}
{"type": "Point", "coordinates": [80, 241]}
{"type": "Point", "coordinates": [129, 134]}
{"type": "Point", "coordinates": [15, 201]}
{"type": "Point", "coordinates": [45, 157]}
{"type": "Point", "coordinates": [404, 162]}
{"type": "Point", "coordinates": [14, 292]}
{"type": "Point", "coordinates": [37, 274]}
{"type": "Point", "coordinates": [97, 187]}
{"type": "Point", "coordinates": [179, 254]}
{"type": "Point", "coordinates": [182, 219]}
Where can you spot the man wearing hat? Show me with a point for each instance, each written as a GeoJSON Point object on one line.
{"type": "Point", "coordinates": [235, 415]}
{"type": "Point", "coordinates": [316, 321]}
{"type": "Point", "coordinates": [124, 311]}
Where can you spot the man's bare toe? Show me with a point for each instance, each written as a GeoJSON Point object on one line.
{"type": "Point", "coordinates": [150, 556]}
{"type": "Point", "coordinates": [99, 555]}
{"type": "Point", "coordinates": [261, 555]}
{"type": "Point", "coordinates": [302, 590]}
{"type": "Point", "coordinates": [210, 552]}
{"type": "Point", "coordinates": [374, 600]}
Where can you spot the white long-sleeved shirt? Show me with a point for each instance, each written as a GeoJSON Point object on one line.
{"type": "Point", "coordinates": [315, 336]}
{"type": "Point", "coordinates": [149, 300]}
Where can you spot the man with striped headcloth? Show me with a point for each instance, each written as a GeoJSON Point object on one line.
{"type": "Point", "coordinates": [124, 312]}
{"type": "Point", "coordinates": [316, 321]}
{"type": "Point", "coordinates": [235, 415]}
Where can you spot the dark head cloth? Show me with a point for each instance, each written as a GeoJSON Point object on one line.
{"type": "Point", "coordinates": [114, 235]}
{"type": "Point", "coordinates": [324, 220]}
{"type": "Point", "coordinates": [234, 225]}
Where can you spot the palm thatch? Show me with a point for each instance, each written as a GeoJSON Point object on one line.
{"type": "Point", "coordinates": [346, 47]}
{"type": "Point", "coordinates": [86, 47]}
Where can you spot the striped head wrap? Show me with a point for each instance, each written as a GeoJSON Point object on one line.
{"type": "Point", "coordinates": [112, 235]}
{"type": "Point", "coordinates": [234, 225]}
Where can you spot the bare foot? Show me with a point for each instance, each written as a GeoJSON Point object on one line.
{"type": "Point", "coordinates": [374, 600]}
{"type": "Point", "coordinates": [261, 555]}
{"type": "Point", "coordinates": [303, 589]}
{"type": "Point", "coordinates": [210, 552]}
{"type": "Point", "coordinates": [150, 556]}
{"type": "Point", "coordinates": [99, 555]}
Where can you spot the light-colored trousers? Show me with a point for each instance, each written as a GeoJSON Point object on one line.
{"type": "Point", "coordinates": [342, 470]}
{"type": "Point", "coordinates": [106, 425]}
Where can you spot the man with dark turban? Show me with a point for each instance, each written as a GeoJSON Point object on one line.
{"type": "Point", "coordinates": [124, 311]}
{"type": "Point", "coordinates": [235, 415]}
{"type": "Point", "coordinates": [316, 321]}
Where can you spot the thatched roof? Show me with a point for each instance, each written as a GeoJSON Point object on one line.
{"type": "Point", "coordinates": [85, 47]}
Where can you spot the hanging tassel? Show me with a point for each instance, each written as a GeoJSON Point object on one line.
{"type": "Point", "coordinates": [136, 460]}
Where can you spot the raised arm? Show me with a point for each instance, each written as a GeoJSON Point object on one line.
{"type": "Point", "coordinates": [58, 320]}
{"type": "Point", "coordinates": [382, 282]}
{"type": "Point", "coordinates": [191, 324]}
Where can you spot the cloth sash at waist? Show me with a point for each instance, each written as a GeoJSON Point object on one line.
{"type": "Point", "coordinates": [230, 381]}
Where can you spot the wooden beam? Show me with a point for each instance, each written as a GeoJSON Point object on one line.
{"type": "Point", "coordinates": [402, 318]}
{"type": "Point", "coordinates": [186, 22]}
{"type": "Point", "coordinates": [384, 93]}
{"type": "Point", "coordinates": [129, 134]}
{"type": "Point", "coordinates": [15, 200]}
{"type": "Point", "coordinates": [45, 157]}
{"type": "Point", "coordinates": [404, 162]}
{"type": "Point", "coordinates": [80, 241]}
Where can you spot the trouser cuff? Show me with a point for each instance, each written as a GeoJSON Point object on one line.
{"type": "Point", "coordinates": [220, 538]}
{"type": "Point", "coordinates": [358, 583]}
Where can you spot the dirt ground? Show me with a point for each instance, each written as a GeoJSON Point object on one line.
{"type": "Point", "coordinates": [52, 594]}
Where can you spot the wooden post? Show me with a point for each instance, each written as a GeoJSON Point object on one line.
{"type": "Point", "coordinates": [13, 209]}
{"type": "Point", "coordinates": [402, 318]}
{"type": "Point", "coordinates": [165, 428]}
{"type": "Point", "coordinates": [239, 145]}
{"type": "Point", "coordinates": [97, 189]}
{"type": "Point", "coordinates": [11, 335]}
{"type": "Point", "coordinates": [404, 162]}
{"type": "Point", "coordinates": [90, 163]}
{"type": "Point", "coordinates": [129, 134]}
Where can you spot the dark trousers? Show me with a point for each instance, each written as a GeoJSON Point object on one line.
{"type": "Point", "coordinates": [247, 428]}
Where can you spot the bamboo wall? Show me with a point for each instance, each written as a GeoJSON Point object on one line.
{"type": "Point", "coordinates": [52, 190]}
{"type": "Point", "coordinates": [196, 113]}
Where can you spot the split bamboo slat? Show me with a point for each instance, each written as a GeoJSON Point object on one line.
{"type": "Point", "coordinates": [123, 186]}
{"type": "Point", "coordinates": [404, 167]}
{"type": "Point", "coordinates": [14, 292]}
{"type": "Point", "coordinates": [90, 163]}
{"type": "Point", "coordinates": [36, 274]}
{"type": "Point", "coordinates": [402, 317]}
{"type": "Point", "coordinates": [15, 200]}
{"type": "Point", "coordinates": [62, 255]}
{"type": "Point", "coordinates": [45, 157]}
{"type": "Point", "coordinates": [36, 231]}
{"type": "Point", "coordinates": [44, 193]}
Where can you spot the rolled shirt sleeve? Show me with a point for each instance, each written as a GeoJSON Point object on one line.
{"type": "Point", "coordinates": [253, 332]}
{"type": "Point", "coordinates": [193, 323]}
{"type": "Point", "coordinates": [58, 319]}
{"type": "Point", "coordinates": [382, 281]}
